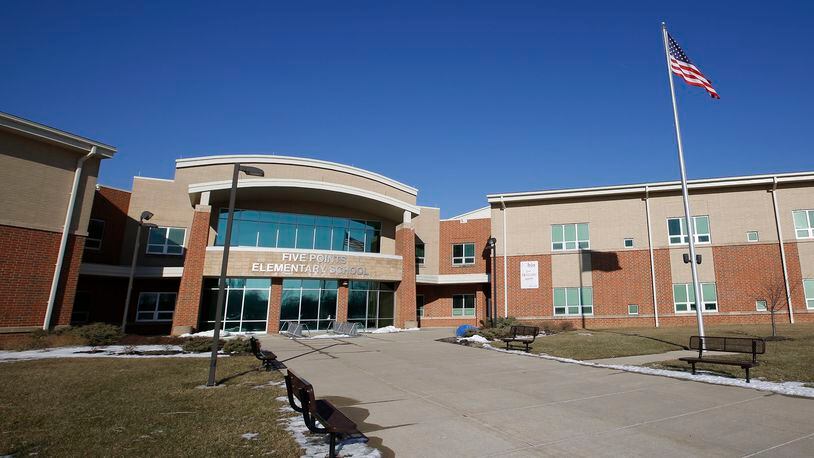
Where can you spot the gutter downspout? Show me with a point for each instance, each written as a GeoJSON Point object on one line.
{"type": "Point", "coordinates": [652, 259]}
{"type": "Point", "coordinates": [782, 249]}
{"type": "Point", "coordinates": [63, 243]}
{"type": "Point", "coordinates": [505, 262]}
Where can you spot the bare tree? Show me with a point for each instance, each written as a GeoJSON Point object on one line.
{"type": "Point", "coordinates": [773, 292]}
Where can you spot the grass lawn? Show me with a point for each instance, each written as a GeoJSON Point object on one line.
{"type": "Point", "coordinates": [784, 360]}
{"type": "Point", "coordinates": [139, 407]}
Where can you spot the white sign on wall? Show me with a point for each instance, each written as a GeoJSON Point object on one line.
{"type": "Point", "coordinates": [529, 278]}
{"type": "Point", "coordinates": [311, 264]}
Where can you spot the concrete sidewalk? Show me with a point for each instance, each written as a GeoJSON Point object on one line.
{"type": "Point", "coordinates": [414, 396]}
{"type": "Point", "coordinates": [654, 358]}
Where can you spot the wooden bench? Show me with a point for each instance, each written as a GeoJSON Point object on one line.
{"type": "Point", "coordinates": [521, 334]}
{"type": "Point", "coordinates": [334, 423]}
{"type": "Point", "coordinates": [266, 357]}
{"type": "Point", "coordinates": [747, 345]}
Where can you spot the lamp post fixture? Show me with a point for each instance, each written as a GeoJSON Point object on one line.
{"type": "Point", "coordinates": [213, 360]}
{"type": "Point", "coordinates": [145, 216]}
{"type": "Point", "coordinates": [492, 244]}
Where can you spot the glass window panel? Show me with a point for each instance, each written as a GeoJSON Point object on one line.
{"type": "Point", "coordinates": [457, 312]}
{"type": "Point", "coordinates": [157, 235]}
{"type": "Point", "coordinates": [330, 284]}
{"type": "Point", "coordinates": [358, 224]}
{"type": "Point", "coordinates": [164, 316]}
{"type": "Point", "coordinates": [570, 232]}
{"type": "Point", "coordinates": [583, 245]}
{"type": "Point", "coordinates": [306, 220]}
{"type": "Point", "coordinates": [288, 218]}
{"type": "Point", "coordinates": [166, 302]}
{"type": "Point", "coordinates": [356, 240]}
{"type": "Point", "coordinates": [811, 218]}
{"type": "Point", "coordinates": [250, 215]}
{"type": "Point", "coordinates": [147, 302]}
{"type": "Point", "coordinates": [703, 238]}
{"type": "Point", "coordinates": [144, 316]}
{"type": "Point", "coordinates": [572, 296]}
{"type": "Point", "coordinates": [269, 217]}
{"type": "Point", "coordinates": [339, 239]}
{"type": "Point", "coordinates": [231, 326]}
{"type": "Point", "coordinates": [174, 249]}
{"type": "Point", "coordinates": [469, 249]}
{"type": "Point", "coordinates": [386, 306]}
{"type": "Point", "coordinates": [587, 295]}
{"type": "Point", "coordinates": [801, 233]}
{"type": "Point", "coordinates": [559, 296]}
{"type": "Point", "coordinates": [573, 310]}
{"type": "Point", "coordinates": [235, 282]}
{"type": "Point", "coordinates": [311, 283]}
{"type": "Point", "coordinates": [680, 293]}
{"type": "Point", "coordinates": [709, 292]}
{"type": "Point", "coordinates": [582, 231]}
{"type": "Point", "coordinates": [457, 251]}
{"type": "Point", "coordinates": [357, 303]}
{"type": "Point", "coordinates": [322, 239]}
{"type": "Point", "coordinates": [681, 307]}
{"type": "Point", "coordinates": [286, 235]}
{"type": "Point", "coordinates": [327, 304]}
{"type": "Point", "coordinates": [305, 237]}
{"type": "Point", "coordinates": [372, 309]}
{"type": "Point", "coordinates": [587, 309]}
{"type": "Point", "coordinates": [556, 246]}
{"type": "Point", "coordinates": [258, 283]}
{"type": "Point", "coordinates": [221, 237]}
{"type": "Point", "coordinates": [419, 250]}
{"type": "Point", "coordinates": [309, 304]}
{"type": "Point", "coordinates": [701, 224]}
{"type": "Point", "coordinates": [210, 300]}
{"type": "Point", "coordinates": [375, 244]}
{"type": "Point", "coordinates": [556, 233]}
{"type": "Point", "coordinates": [339, 222]}
{"type": "Point", "coordinates": [323, 220]}
{"type": "Point", "coordinates": [268, 235]}
{"type": "Point", "coordinates": [559, 310]}
{"type": "Point", "coordinates": [290, 305]}
{"type": "Point", "coordinates": [291, 283]}
{"type": "Point", "coordinates": [247, 233]}
{"type": "Point", "coordinates": [570, 245]}
{"type": "Point", "coordinates": [234, 304]}
{"type": "Point", "coordinates": [800, 221]}
{"type": "Point", "coordinates": [370, 238]}
{"type": "Point", "coordinates": [255, 304]}
{"type": "Point", "coordinates": [674, 226]}
{"type": "Point", "coordinates": [387, 286]}
{"type": "Point", "coordinates": [256, 326]}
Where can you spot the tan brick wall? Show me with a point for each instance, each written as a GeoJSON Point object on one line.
{"type": "Point", "coordinates": [189, 293]}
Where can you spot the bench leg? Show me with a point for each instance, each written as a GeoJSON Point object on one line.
{"type": "Point", "coordinates": [747, 375]}
{"type": "Point", "coordinates": [332, 449]}
{"type": "Point", "coordinates": [527, 347]}
{"type": "Point", "coordinates": [507, 345]}
{"type": "Point", "coordinates": [693, 368]}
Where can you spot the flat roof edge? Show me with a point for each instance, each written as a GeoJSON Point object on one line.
{"type": "Point", "coordinates": [53, 135]}
{"type": "Point", "coordinates": [293, 160]}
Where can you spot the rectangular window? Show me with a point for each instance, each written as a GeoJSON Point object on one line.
{"type": "Point", "coordinates": [419, 254]}
{"type": "Point", "coordinates": [155, 306]}
{"type": "Point", "coordinates": [632, 309]}
{"type": "Point", "coordinates": [677, 229]}
{"type": "Point", "coordinates": [166, 240]}
{"type": "Point", "coordinates": [371, 303]}
{"type": "Point", "coordinates": [570, 237]}
{"type": "Point", "coordinates": [628, 243]}
{"type": "Point", "coordinates": [573, 301]}
{"type": "Point", "coordinates": [808, 286]}
{"type": "Point", "coordinates": [684, 297]}
{"type": "Point", "coordinates": [309, 301]}
{"type": "Point", "coordinates": [96, 230]}
{"type": "Point", "coordinates": [291, 230]}
{"type": "Point", "coordinates": [761, 306]}
{"type": "Point", "coordinates": [419, 305]}
{"type": "Point", "coordinates": [245, 305]}
{"type": "Point", "coordinates": [463, 254]}
{"type": "Point", "coordinates": [804, 224]}
{"type": "Point", "coordinates": [463, 305]}
{"type": "Point", "coordinates": [752, 236]}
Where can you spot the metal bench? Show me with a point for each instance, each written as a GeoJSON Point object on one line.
{"type": "Point", "coordinates": [294, 329]}
{"type": "Point", "coordinates": [348, 329]}
{"type": "Point", "coordinates": [521, 334]}
{"type": "Point", "coordinates": [268, 358]}
{"type": "Point", "coordinates": [747, 345]}
{"type": "Point", "coordinates": [332, 421]}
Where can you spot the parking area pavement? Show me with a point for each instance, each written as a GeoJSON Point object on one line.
{"type": "Point", "coordinates": [415, 396]}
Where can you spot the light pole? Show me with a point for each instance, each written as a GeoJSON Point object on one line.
{"type": "Point", "coordinates": [213, 360]}
{"type": "Point", "coordinates": [492, 243]}
{"type": "Point", "coordinates": [145, 215]}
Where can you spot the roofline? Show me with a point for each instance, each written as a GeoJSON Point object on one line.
{"type": "Point", "coordinates": [113, 187]}
{"type": "Point", "coordinates": [466, 215]}
{"type": "Point", "coordinates": [53, 135]}
{"type": "Point", "coordinates": [291, 160]}
{"type": "Point", "coordinates": [661, 186]}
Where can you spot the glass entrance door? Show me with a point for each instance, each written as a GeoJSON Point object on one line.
{"type": "Point", "coordinates": [309, 301]}
{"type": "Point", "coordinates": [371, 303]}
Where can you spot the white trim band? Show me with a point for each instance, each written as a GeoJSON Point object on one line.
{"type": "Point", "coordinates": [451, 279]}
{"type": "Point", "coordinates": [107, 270]}
{"type": "Point", "coordinates": [289, 160]}
{"type": "Point", "coordinates": [259, 249]}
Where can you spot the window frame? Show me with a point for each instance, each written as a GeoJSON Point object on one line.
{"type": "Point", "coordinates": [155, 310]}
{"type": "Point", "coordinates": [463, 258]}
{"type": "Point", "coordinates": [809, 221]}
{"type": "Point", "coordinates": [420, 308]}
{"type": "Point", "coordinates": [99, 240]}
{"type": "Point", "coordinates": [165, 245]}
{"type": "Point", "coordinates": [577, 241]}
{"type": "Point", "coordinates": [809, 292]}
{"type": "Point", "coordinates": [765, 305]}
{"type": "Point", "coordinates": [463, 308]}
{"type": "Point", "coordinates": [419, 260]}
{"type": "Point", "coordinates": [684, 236]}
{"type": "Point", "coordinates": [748, 235]}
{"type": "Point", "coordinates": [629, 308]}
{"type": "Point", "coordinates": [582, 305]}
{"type": "Point", "coordinates": [630, 239]}
{"type": "Point", "coordinates": [691, 298]}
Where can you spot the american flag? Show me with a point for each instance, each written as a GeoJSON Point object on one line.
{"type": "Point", "coordinates": [681, 65]}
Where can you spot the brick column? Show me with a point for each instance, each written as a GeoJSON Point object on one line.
{"type": "Point", "coordinates": [405, 291]}
{"type": "Point", "coordinates": [275, 302]}
{"type": "Point", "coordinates": [66, 292]}
{"type": "Point", "coordinates": [189, 292]}
{"type": "Point", "coordinates": [342, 301]}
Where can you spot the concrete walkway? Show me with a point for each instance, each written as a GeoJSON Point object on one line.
{"type": "Point", "coordinates": [644, 359]}
{"type": "Point", "coordinates": [414, 396]}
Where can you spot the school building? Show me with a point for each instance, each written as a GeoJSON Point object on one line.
{"type": "Point", "coordinates": [316, 241]}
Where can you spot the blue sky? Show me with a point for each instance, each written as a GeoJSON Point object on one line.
{"type": "Point", "coordinates": [458, 100]}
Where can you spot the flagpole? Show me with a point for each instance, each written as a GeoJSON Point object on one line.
{"type": "Point", "coordinates": [699, 303]}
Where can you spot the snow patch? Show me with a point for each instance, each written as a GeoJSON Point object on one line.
{"type": "Point", "coordinates": [225, 335]}
{"type": "Point", "coordinates": [389, 330]}
{"type": "Point", "coordinates": [250, 436]}
{"type": "Point", "coordinates": [787, 388]}
{"type": "Point", "coordinates": [326, 336]}
{"type": "Point", "coordinates": [476, 338]}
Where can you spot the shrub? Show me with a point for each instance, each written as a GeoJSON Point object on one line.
{"type": "Point", "coordinates": [99, 334]}
{"type": "Point", "coordinates": [566, 326]}
{"type": "Point", "coordinates": [199, 345]}
{"type": "Point", "coordinates": [238, 345]}
{"type": "Point", "coordinates": [547, 328]}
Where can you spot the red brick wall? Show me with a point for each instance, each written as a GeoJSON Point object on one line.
{"type": "Point", "coordinates": [275, 302]}
{"type": "Point", "coordinates": [621, 278]}
{"type": "Point", "coordinates": [476, 231]}
{"type": "Point", "coordinates": [405, 290]}
{"type": "Point", "coordinates": [27, 260]}
{"type": "Point", "coordinates": [664, 281]}
{"type": "Point", "coordinates": [189, 292]}
{"type": "Point", "coordinates": [109, 205]}
{"type": "Point", "coordinates": [438, 304]}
